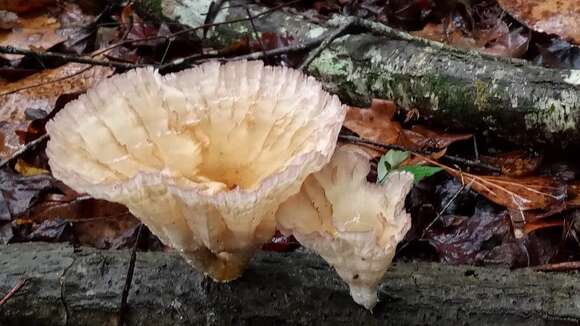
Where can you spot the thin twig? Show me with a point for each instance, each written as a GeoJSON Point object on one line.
{"type": "Point", "coordinates": [16, 287]}
{"type": "Point", "coordinates": [449, 202]}
{"type": "Point", "coordinates": [214, 9]}
{"type": "Point", "coordinates": [181, 62]}
{"type": "Point", "coordinates": [455, 159]}
{"type": "Point", "coordinates": [327, 41]}
{"type": "Point", "coordinates": [278, 51]}
{"type": "Point", "coordinates": [165, 52]}
{"type": "Point", "coordinates": [68, 58]}
{"type": "Point", "coordinates": [255, 33]}
{"type": "Point", "coordinates": [97, 218]}
{"type": "Point", "coordinates": [56, 80]}
{"type": "Point", "coordinates": [23, 149]}
{"type": "Point", "coordinates": [129, 278]}
{"type": "Point", "coordinates": [475, 150]}
{"type": "Point", "coordinates": [194, 29]}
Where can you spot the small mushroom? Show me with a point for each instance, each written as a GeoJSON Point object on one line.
{"type": "Point", "coordinates": [203, 157]}
{"type": "Point", "coordinates": [353, 224]}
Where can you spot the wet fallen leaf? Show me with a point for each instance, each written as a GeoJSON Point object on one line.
{"type": "Point", "coordinates": [38, 32]}
{"type": "Point", "coordinates": [376, 123]}
{"type": "Point", "coordinates": [528, 193]}
{"type": "Point", "coordinates": [23, 6]}
{"type": "Point", "coordinates": [420, 138]}
{"type": "Point", "coordinates": [94, 222]}
{"type": "Point", "coordinates": [558, 54]}
{"type": "Point", "coordinates": [543, 224]}
{"type": "Point", "coordinates": [28, 170]}
{"type": "Point", "coordinates": [281, 243]}
{"type": "Point", "coordinates": [135, 28]}
{"type": "Point", "coordinates": [573, 195]}
{"type": "Point", "coordinates": [51, 230]}
{"type": "Point", "coordinates": [127, 239]}
{"type": "Point", "coordinates": [513, 44]}
{"type": "Point", "coordinates": [497, 40]}
{"type": "Point", "coordinates": [516, 163]}
{"type": "Point", "coordinates": [432, 31]}
{"type": "Point", "coordinates": [75, 208]}
{"type": "Point", "coordinates": [40, 92]}
{"type": "Point", "coordinates": [560, 17]}
{"type": "Point", "coordinates": [76, 26]}
{"type": "Point", "coordinates": [19, 192]}
{"type": "Point", "coordinates": [536, 197]}
{"type": "Point", "coordinates": [536, 248]}
{"type": "Point", "coordinates": [461, 239]}
{"type": "Point", "coordinates": [104, 233]}
{"type": "Point", "coordinates": [43, 30]}
{"type": "Point", "coordinates": [8, 20]}
{"type": "Point", "coordinates": [497, 29]}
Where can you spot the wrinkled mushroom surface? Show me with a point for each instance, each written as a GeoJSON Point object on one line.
{"type": "Point", "coordinates": [203, 157]}
{"type": "Point", "coordinates": [353, 224]}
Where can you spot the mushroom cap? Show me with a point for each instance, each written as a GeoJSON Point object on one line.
{"type": "Point", "coordinates": [204, 156]}
{"type": "Point", "coordinates": [353, 224]}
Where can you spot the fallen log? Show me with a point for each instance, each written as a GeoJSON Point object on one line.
{"type": "Point", "coordinates": [512, 99]}
{"type": "Point", "coordinates": [83, 286]}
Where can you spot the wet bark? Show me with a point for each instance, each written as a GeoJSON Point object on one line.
{"type": "Point", "coordinates": [83, 287]}
{"type": "Point", "coordinates": [511, 99]}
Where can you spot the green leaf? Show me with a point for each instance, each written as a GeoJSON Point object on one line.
{"type": "Point", "coordinates": [390, 161]}
{"type": "Point", "coordinates": [395, 157]}
{"type": "Point", "coordinates": [382, 169]}
{"type": "Point", "coordinates": [421, 172]}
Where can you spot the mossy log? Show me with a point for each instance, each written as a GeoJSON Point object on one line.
{"type": "Point", "coordinates": [83, 286]}
{"type": "Point", "coordinates": [517, 101]}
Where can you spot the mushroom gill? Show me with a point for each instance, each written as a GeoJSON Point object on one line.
{"type": "Point", "coordinates": [203, 157]}
{"type": "Point", "coordinates": [353, 224]}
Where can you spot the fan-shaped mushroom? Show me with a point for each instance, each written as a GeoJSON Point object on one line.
{"type": "Point", "coordinates": [353, 224]}
{"type": "Point", "coordinates": [203, 157]}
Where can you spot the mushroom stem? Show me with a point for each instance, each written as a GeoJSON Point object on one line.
{"type": "Point", "coordinates": [221, 267]}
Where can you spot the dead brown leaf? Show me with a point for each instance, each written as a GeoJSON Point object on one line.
{"type": "Point", "coordinates": [39, 93]}
{"type": "Point", "coordinates": [43, 30]}
{"type": "Point", "coordinates": [542, 224]}
{"type": "Point", "coordinates": [513, 44]}
{"type": "Point", "coordinates": [23, 6]}
{"type": "Point", "coordinates": [453, 36]}
{"type": "Point", "coordinates": [523, 194]}
{"type": "Point", "coordinates": [376, 123]}
{"type": "Point", "coordinates": [574, 195]}
{"type": "Point", "coordinates": [8, 20]}
{"type": "Point", "coordinates": [497, 40]}
{"type": "Point", "coordinates": [97, 223]}
{"type": "Point", "coordinates": [527, 199]}
{"type": "Point", "coordinates": [560, 17]}
{"type": "Point", "coordinates": [38, 32]}
{"type": "Point", "coordinates": [27, 170]}
{"type": "Point", "coordinates": [515, 163]}
{"type": "Point", "coordinates": [420, 138]}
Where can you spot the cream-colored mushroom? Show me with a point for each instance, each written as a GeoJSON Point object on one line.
{"type": "Point", "coordinates": [353, 224]}
{"type": "Point", "coordinates": [203, 157]}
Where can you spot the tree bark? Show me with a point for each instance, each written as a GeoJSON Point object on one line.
{"type": "Point", "coordinates": [517, 101]}
{"type": "Point", "coordinates": [83, 286]}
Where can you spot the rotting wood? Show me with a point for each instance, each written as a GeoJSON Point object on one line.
{"type": "Point", "coordinates": [283, 289]}
{"type": "Point", "coordinates": [508, 98]}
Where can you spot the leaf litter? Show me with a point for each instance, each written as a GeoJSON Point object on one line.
{"type": "Point", "coordinates": [466, 215]}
